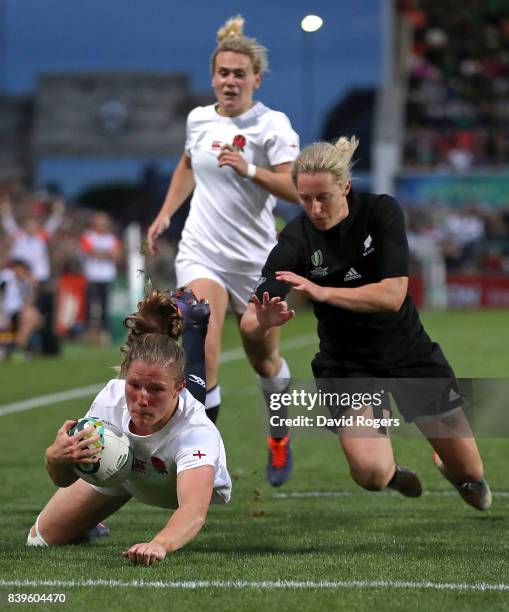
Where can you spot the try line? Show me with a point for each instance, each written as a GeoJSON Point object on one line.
{"type": "Point", "coordinates": [263, 584]}
{"type": "Point", "coordinates": [63, 396]}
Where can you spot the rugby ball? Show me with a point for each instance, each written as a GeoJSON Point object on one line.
{"type": "Point", "coordinates": [116, 457]}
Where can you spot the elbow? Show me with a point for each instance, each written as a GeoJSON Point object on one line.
{"type": "Point", "coordinates": [201, 519]}
{"type": "Point", "coordinates": [395, 292]}
{"type": "Point", "coordinates": [198, 522]}
{"type": "Point", "coordinates": [395, 303]}
{"type": "Point", "coordinates": [61, 478]}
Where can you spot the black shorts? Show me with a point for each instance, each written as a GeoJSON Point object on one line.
{"type": "Point", "coordinates": [423, 385]}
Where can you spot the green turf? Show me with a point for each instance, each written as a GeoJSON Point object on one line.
{"type": "Point", "coordinates": [348, 536]}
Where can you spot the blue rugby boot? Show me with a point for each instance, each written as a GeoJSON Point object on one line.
{"type": "Point", "coordinates": [194, 312]}
{"type": "Point", "coordinates": [280, 465]}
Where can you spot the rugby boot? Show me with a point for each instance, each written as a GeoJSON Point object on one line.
{"type": "Point", "coordinates": [280, 464]}
{"type": "Point", "coordinates": [406, 482]}
{"type": "Point", "coordinates": [194, 312]}
{"type": "Point", "coordinates": [476, 494]}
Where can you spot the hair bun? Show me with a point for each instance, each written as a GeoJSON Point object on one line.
{"type": "Point", "coordinates": [157, 314]}
{"type": "Point", "coordinates": [347, 145]}
{"type": "Point", "coordinates": [233, 28]}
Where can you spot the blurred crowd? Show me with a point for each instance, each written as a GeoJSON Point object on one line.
{"type": "Point", "coordinates": [471, 239]}
{"type": "Point", "coordinates": [57, 267]}
{"type": "Point", "coordinates": [458, 91]}
{"type": "Point", "coordinates": [60, 262]}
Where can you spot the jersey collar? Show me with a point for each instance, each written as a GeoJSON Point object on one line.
{"type": "Point", "coordinates": [257, 109]}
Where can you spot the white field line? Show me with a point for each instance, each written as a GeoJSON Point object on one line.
{"type": "Point", "coordinates": [264, 584]}
{"type": "Point", "coordinates": [52, 398]}
{"type": "Point", "coordinates": [318, 494]}
{"type": "Point", "coordinates": [63, 396]}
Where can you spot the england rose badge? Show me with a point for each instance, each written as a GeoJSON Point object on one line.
{"type": "Point", "coordinates": [239, 142]}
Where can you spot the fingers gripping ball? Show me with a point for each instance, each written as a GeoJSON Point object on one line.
{"type": "Point", "coordinates": [115, 459]}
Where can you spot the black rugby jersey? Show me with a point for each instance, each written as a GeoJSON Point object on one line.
{"type": "Point", "coordinates": [369, 245]}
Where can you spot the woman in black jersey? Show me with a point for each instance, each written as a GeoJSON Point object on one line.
{"type": "Point", "coordinates": [349, 255]}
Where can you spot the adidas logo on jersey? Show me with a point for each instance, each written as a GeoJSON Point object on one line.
{"type": "Point", "coordinates": [453, 395]}
{"type": "Point", "coordinates": [351, 275]}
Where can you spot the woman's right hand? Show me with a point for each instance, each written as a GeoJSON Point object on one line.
{"type": "Point", "coordinates": [271, 312]}
{"type": "Point", "coordinates": [160, 225]}
{"type": "Point", "coordinates": [67, 449]}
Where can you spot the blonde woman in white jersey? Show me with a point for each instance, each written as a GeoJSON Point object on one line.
{"type": "Point", "coordinates": [237, 158]}
{"type": "Point", "coordinates": [180, 461]}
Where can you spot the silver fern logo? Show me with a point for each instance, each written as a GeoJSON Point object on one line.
{"type": "Point", "coordinates": [317, 258]}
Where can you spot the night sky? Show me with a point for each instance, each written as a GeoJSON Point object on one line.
{"type": "Point", "coordinates": [162, 35]}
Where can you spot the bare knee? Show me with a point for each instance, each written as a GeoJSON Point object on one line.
{"type": "Point", "coordinates": [267, 367]}
{"type": "Point", "coordinates": [35, 538]}
{"type": "Point", "coordinates": [48, 537]}
{"type": "Point", "coordinates": [263, 354]}
{"type": "Point", "coordinates": [372, 477]}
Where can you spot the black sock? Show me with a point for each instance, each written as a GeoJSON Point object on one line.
{"type": "Point", "coordinates": [193, 343]}
{"type": "Point", "coordinates": [213, 412]}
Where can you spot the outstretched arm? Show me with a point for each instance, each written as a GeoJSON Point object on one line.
{"type": "Point", "coordinates": [194, 491]}
{"type": "Point", "coordinates": [8, 221]}
{"type": "Point", "coordinates": [385, 296]}
{"type": "Point", "coordinates": [54, 221]}
{"type": "Point", "coordinates": [181, 186]}
{"type": "Point", "coordinates": [259, 317]}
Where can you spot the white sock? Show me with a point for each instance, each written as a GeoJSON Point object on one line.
{"type": "Point", "coordinates": [213, 397]}
{"type": "Point", "coordinates": [279, 382]}
{"type": "Point", "coordinates": [37, 539]}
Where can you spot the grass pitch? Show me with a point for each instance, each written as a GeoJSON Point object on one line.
{"type": "Point", "coordinates": [317, 543]}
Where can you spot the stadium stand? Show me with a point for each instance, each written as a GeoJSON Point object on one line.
{"type": "Point", "coordinates": [457, 111]}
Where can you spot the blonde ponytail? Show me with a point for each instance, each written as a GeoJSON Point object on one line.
{"type": "Point", "coordinates": [326, 157]}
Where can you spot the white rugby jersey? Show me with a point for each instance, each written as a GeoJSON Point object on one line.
{"type": "Point", "coordinates": [231, 223]}
{"type": "Point", "coordinates": [32, 248]}
{"type": "Point", "coordinates": [187, 441]}
{"type": "Point", "coordinates": [95, 268]}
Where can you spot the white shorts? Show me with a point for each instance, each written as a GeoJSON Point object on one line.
{"type": "Point", "coordinates": [118, 491]}
{"type": "Point", "coordinates": [239, 286]}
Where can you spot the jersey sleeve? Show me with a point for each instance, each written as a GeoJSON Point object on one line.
{"type": "Point", "coordinates": [390, 237]}
{"type": "Point", "coordinates": [281, 142]}
{"type": "Point", "coordinates": [283, 257]}
{"type": "Point", "coordinates": [187, 145]}
{"type": "Point", "coordinates": [111, 396]}
{"type": "Point", "coordinates": [198, 447]}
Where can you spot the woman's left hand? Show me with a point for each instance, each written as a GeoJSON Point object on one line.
{"type": "Point", "coordinates": [299, 283]}
{"type": "Point", "coordinates": [230, 157]}
{"type": "Point", "coordinates": [145, 553]}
